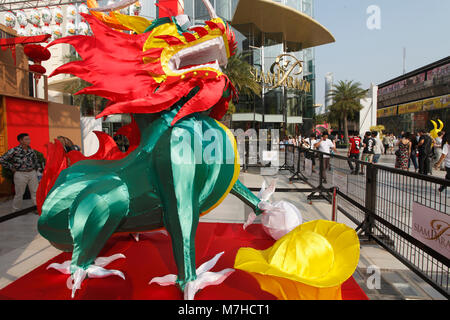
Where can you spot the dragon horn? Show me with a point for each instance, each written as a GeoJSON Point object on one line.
{"type": "Point", "coordinates": [441, 125]}
{"type": "Point", "coordinates": [210, 8]}
{"type": "Point", "coordinates": [115, 6]}
{"type": "Point", "coordinates": [434, 124]}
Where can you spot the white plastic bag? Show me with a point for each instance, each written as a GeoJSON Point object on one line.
{"type": "Point", "coordinates": [278, 218]}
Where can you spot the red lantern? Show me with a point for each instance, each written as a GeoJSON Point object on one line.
{"type": "Point", "coordinates": [37, 54]}
{"type": "Point", "coordinates": [37, 68]}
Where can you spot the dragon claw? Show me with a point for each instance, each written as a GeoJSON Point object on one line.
{"type": "Point", "coordinates": [136, 235]}
{"type": "Point", "coordinates": [95, 270]}
{"type": "Point", "coordinates": [204, 278]}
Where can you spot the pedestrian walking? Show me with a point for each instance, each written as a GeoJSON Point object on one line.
{"type": "Point", "coordinates": [368, 145]}
{"type": "Point", "coordinates": [378, 149]}
{"type": "Point", "coordinates": [326, 146]}
{"type": "Point", "coordinates": [311, 141]}
{"type": "Point", "coordinates": [353, 152]}
{"type": "Point", "coordinates": [403, 153]}
{"type": "Point", "coordinates": [438, 147]}
{"type": "Point", "coordinates": [23, 162]}
{"type": "Point", "coordinates": [424, 148]}
{"type": "Point", "coordinates": [392, 143]}
{"type": "Point", "coordinates": [445, 158]}
{"type": "Point", "coordinates": [413, 156]}
{"type": "Point", "coordinates": [386, 143]}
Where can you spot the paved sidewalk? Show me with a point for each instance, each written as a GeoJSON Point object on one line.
{"type": "Point", "coordinates": [22, 249]}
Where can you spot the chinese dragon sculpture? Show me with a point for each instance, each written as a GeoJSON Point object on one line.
{"type": "Point", "coordinates": [169, 78]}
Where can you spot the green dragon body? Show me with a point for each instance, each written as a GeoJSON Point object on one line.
{"type": "Point", "coordinates": [186, 162]}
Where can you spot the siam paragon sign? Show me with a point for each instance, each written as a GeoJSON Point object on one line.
{"type": "Point", "coordinates": [282, 73]}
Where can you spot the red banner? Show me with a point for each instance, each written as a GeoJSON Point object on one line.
{"type": "Point", "coordinates": [27, 116]}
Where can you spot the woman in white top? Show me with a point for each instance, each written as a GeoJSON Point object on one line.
{"type": "Point", "coordinates": [445, 157]}
{"type": "Point", "coordinates": [438, 146]}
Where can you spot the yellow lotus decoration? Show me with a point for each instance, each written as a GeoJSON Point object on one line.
{"type": "Point", "coordinates": [309, 263]}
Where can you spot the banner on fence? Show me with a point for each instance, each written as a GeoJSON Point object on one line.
{"type": "Point", "coordinates": [432, 228]}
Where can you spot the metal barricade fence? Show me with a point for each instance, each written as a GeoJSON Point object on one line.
{"type": "Point", "coordinates": [379, 200]}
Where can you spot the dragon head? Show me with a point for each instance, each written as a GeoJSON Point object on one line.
{"type": "Point", "coordinates": [162, 61]}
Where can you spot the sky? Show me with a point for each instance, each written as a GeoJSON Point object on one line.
{"type": "Point", "coordinates": [375, 56]}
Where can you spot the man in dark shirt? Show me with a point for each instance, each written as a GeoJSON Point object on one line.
{"type": "Point", "coordinates": [368, 152]}
{"type": "Point", "coordinates": [23, 162]}
{"type": "Point", "coordinates": [413, 156]}
{"type": "Point", "coordinates": [424, 148]}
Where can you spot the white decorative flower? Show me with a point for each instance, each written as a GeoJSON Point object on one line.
{"type": "Point", "coordinates": [35, 17]}
{"type": "Point", "coordinates": [10, 19]}
{"type": "Point", "coordinates": [22, 18]}
{"type": "Point", "coordinates": [136, 8]}
{"type": "Point", "coordinates": [71, 12]}
{"type": "Point", "coordinates": [58, 15]}
{"type": "Point", "coordinates": [57, 32]}
{"type": "Point", "coordinates": [83, 28]}
{"type": "Point", "coordinates": [70, 29]}
{"type": "Point", "coordinates": [82, 8]}
{"type": "Point", "coordinates": [46, 15]}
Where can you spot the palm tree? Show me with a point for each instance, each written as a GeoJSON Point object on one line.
{"type": "Point", "coordinates": [346, 96]}
{"type": "Point", "coordinates": [239, 71]}
{"type": "Point", "coordinates": [90, 104]}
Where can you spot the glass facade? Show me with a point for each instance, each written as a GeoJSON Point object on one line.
{"type": "Point", "coordinates": [277, 108]}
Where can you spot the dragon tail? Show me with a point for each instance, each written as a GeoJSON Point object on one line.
{"type": "Point", "coordinates": [56, 163]}
{"type": "Point", "coordinates": [59, 159]}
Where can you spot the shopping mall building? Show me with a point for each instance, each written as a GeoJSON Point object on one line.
{"type": "Point", "coordinates": [409, 102]}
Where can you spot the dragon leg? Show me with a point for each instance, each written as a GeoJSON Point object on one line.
{"type": "Point", "coordinates": [180, 198]}
{"type": "Point", "coordinates": [181, 218]}
{"type": "Point", "coordinates": [181, 211]}
{"type": "Point", "coordinates": [93, 217]}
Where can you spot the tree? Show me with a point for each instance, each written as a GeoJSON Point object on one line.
{"type": "Point", "coordinates": [90, 104]}
{"type": "Point", "coordinates": [239, 71]}
{"type": "Point", "coordinates": [346, 96]}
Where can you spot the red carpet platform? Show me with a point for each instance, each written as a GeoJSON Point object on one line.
{"type": "Point", "coordinates": [152, 257]}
